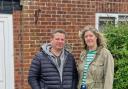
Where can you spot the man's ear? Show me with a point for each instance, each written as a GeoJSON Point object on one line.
{"type": "Point", "coordinates": [51, 40]}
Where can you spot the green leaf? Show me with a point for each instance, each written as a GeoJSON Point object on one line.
{"type": "Point", "coordinates": [118, 45]}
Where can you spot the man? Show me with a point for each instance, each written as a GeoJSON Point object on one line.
{"type": "Point", "coordinates": [54, 67]}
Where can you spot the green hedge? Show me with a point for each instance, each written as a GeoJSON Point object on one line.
{"type": "Point", "coordinates": [118, 45]}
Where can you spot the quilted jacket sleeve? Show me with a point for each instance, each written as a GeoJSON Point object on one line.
{"type": "Point", "coordinates": [34, 73]}
{"type": "Point", "coordinates": [75, 75]}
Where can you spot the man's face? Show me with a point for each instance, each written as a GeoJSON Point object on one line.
{"type": "Point", "coordinates": [58, 41]}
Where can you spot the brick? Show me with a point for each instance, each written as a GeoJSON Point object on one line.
{"type": "Point", "coordinates": [70, 15]}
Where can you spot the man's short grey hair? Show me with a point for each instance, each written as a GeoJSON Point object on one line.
{"type": "Point", "coordinates": [58, 31]}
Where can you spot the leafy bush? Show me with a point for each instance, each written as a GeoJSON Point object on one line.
{"type": "Point", "coordinates": [118, 45]}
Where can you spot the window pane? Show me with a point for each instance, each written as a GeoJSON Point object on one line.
{"type": "Point", "coordinates": [105, 20]}
{"type": "Point", "coordinates": [123, 19]}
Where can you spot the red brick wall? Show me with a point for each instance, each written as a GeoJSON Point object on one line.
{"type": "Point", "coordinates": [18, 49]}
{"type": "Point", "coordinates": [31, 30]}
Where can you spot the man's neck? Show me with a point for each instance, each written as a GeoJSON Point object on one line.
{"type": "Point", "coordinates": [56, 52]}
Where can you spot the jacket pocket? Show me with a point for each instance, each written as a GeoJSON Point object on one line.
{"type": "Point", "coordinates": [43, 85]}
{"type": "Point", "coordinates": [97, 71]}
{"type": "Point", "coordinates": [95, 85]}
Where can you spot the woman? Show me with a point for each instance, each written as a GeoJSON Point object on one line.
{"type": "Point", "coordinates": [96, 64]}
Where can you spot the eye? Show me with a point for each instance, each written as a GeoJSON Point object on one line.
{"type": "Point", "coordinates": [62, 39]}
{"type": "Point", "coordinates": [56, 38]}
{"type": "Point", "coordinates": [85, 36]}
{"type": "Point", "coordinates": [91, 35]}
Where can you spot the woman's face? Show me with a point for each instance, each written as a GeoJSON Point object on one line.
{"type": "Point", "coordinates": [90, 39]}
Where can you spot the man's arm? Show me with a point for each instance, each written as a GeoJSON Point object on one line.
{"type": "Point", "coordinates": [34, 73]}
{"type": "Point", "coordinates": [75, 75]}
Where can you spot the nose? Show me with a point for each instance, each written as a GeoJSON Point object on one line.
{"type": "Point", "coordinates": [59, 41]}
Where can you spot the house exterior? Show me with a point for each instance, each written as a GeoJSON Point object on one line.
{"type": "Point", "coordinates": [33, 21]}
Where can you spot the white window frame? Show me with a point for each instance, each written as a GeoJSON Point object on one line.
{"type": "Point", "coordinates": [98, 15]}
{"type": "Point", "coordinates": [9, 51]}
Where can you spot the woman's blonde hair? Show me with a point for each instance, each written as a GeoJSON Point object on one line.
{"type": "Point", "coordinates": [101, 41]}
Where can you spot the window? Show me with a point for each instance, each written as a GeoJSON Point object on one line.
{"type": "Point", "coordinates": [103, 18]}
{"type": "Point", "coordinates": [7, 6]}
